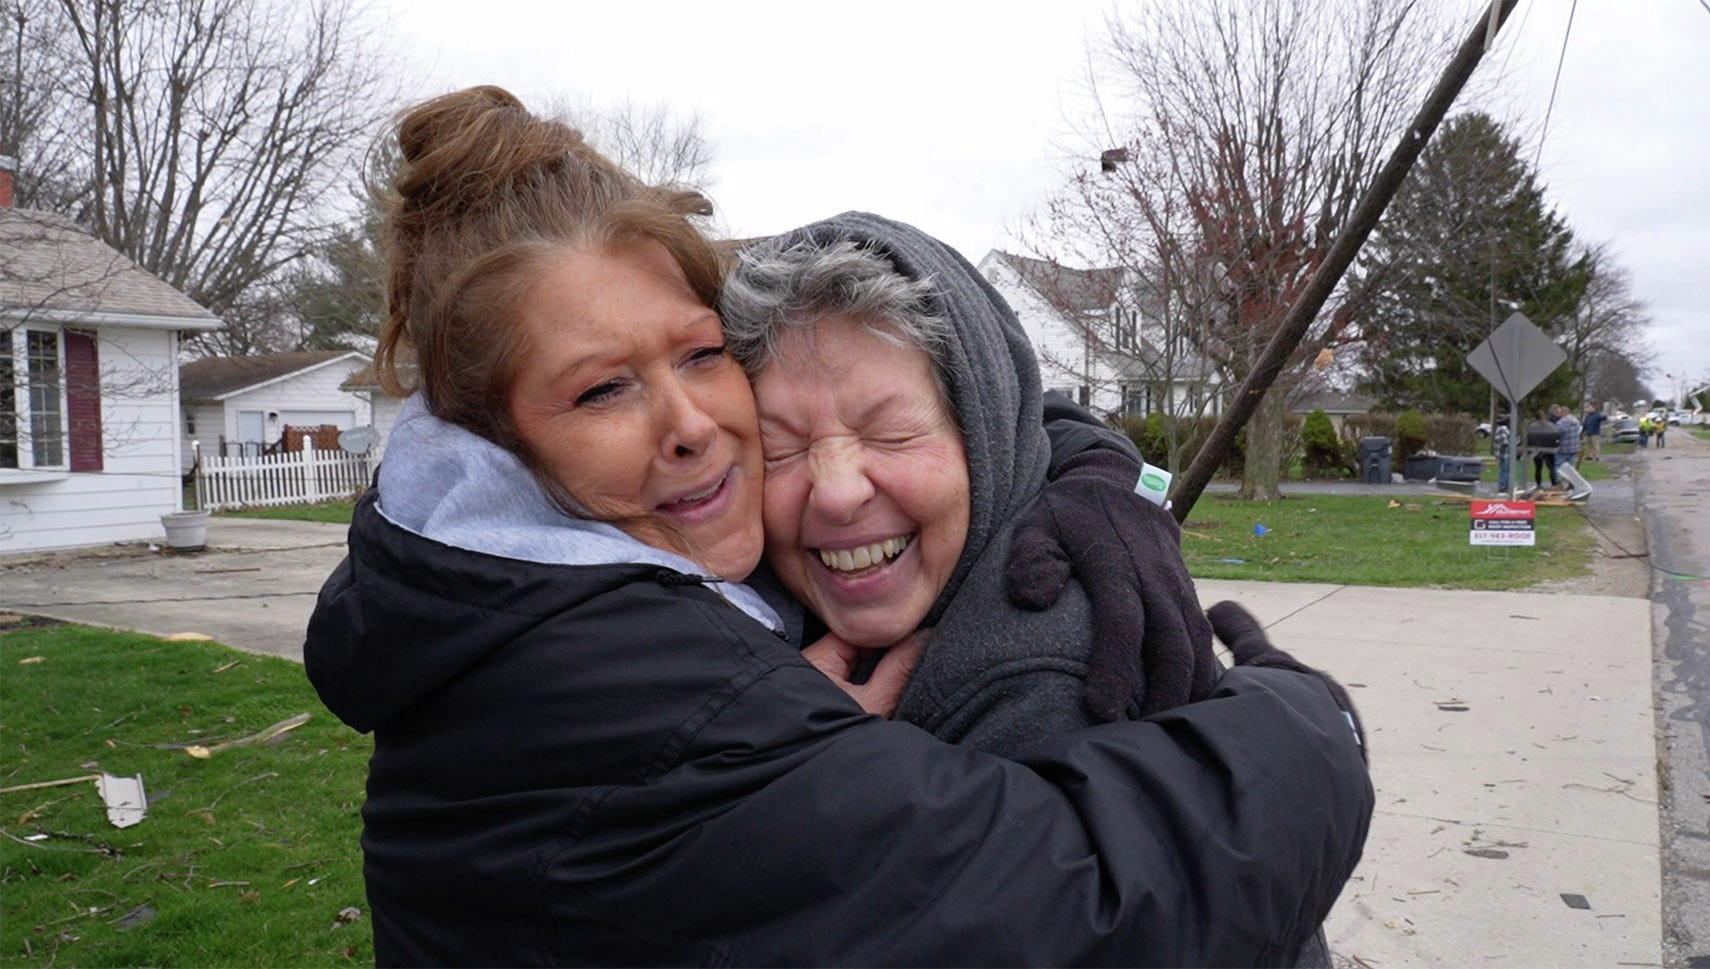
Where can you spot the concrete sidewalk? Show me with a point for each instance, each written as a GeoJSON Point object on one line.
{"type": "Point", "coordinates": [1511, 734]}
{"type": "Point", "coordinates": [1514, 755]}
{"type": "Point", "coordinates": [253, 588]}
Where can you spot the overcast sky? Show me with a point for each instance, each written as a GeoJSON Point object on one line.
{"type": "Point", "coordinates": [950, 115]}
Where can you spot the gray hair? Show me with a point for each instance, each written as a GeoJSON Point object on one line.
{"type": "Point", "coordinates": [778, 288]}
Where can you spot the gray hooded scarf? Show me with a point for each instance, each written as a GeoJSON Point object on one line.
{"type": "Point", "coordinates": [993, 676]}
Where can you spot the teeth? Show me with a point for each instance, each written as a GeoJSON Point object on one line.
{"type": "Point", "coordinates": [700, 495]}
{"type": "Point", "coordinates": [866, 556]}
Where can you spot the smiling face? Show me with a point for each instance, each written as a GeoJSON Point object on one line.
{"type": "Point", "coordinates": [866, 480]}
{"type": "Point", "coordinates": [628, 400]}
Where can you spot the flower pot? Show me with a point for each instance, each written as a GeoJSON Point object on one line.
{"type": "Point", "coordinates": [186, 531]}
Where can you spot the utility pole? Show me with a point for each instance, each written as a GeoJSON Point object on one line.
{"type": "Point", "coordinates": [1342, 252]}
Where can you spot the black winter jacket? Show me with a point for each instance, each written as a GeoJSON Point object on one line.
{"type": "Point", "coordinates": [610, 765]}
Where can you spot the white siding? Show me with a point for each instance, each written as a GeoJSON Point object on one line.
{"type": "Point", "coordinates": [210, 422]}
{"type": "Point", "coordinates": [386, 411]}
{"type": "Point", "coordinates": [1066, 360]}
{"type": "Point", "coordinates": [139, 480]}
{"type": "Point", "coordinates": [315, 389]}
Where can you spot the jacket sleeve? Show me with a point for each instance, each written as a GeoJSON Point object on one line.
{"type": "Point", "coordinates": [795, 830]}
{"type": "Point", "coordinates": [1073, 429]}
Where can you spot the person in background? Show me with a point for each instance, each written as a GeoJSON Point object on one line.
{"type": "Point", "coordinates": [1591, 433]}
{"type": "Point", "coordinates": [1567, 439]}
{"type": "Point", "coordinates": [1659, 426]}
{"type": "Point", "coordinates": [1541, 439]}
{"type": "Point", "coordinates": [1644, 430]}
{"type": "Point", "coordinates": [1502, 445]}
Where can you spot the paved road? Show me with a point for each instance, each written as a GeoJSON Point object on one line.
{"type": "Point", "coordinates": [1675, 502]}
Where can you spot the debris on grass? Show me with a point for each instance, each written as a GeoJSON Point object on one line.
{"type": "Point", "coordinates": [80, 779]}
{"type": "Point", "coordinates": [346, 915]}
{"type": "Point", "coordinates": [203, 753]}
{"type": "Point", "coordinates": [31, 660]}
{"type": "Point", "coordinates": [126, 802]}
{"type": "Point", "coordinates": [141, 915]}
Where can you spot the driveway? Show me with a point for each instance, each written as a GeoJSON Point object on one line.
{"type": "Point", "coordinates": [253, 587]}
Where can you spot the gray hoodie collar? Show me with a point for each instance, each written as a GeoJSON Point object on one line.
{"type": "Point", "coordinates": [451, 485]}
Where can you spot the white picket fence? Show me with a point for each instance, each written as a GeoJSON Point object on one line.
{"type": "Point", "coordinates": [304, 478]}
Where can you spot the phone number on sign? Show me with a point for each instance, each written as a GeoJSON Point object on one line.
{"type": "Point", "coordinates": [1487, 536]}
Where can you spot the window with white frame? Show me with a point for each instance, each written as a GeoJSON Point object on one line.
{"type": "Point", "coordinates": [44, 378]}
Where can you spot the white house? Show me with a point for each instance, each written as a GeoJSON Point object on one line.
{"type": "Point", "coordinates": [89, 448]}
{"type": "Point", "coordinates": [242, 405]}
{"type": "Point", "coordinates": [1096, 345]}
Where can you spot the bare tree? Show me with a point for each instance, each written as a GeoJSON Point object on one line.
{"type": "Point", "coordinates": [1239, 136]}
{"type": "Point", "coordinates": [655, 142]}
{"type": "Point", "coordinates": [205, 139]}
{"type": "Point", "coordinates": [1605, 334]}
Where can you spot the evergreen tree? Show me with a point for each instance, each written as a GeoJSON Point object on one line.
{"type": "Point", "coordinates": [1467, 241]}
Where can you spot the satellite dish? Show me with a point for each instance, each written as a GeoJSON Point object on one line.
{"type": "Point", "coordinates": [358, 440]}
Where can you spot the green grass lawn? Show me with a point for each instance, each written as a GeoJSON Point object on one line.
{"type": "Point", "coordinates": [1326, 538]}
{"type": "Point", "coordinates": [1357, 540]}
{"type": "Point", "coordinates": [332, 511]}
{"type": "Point", "coordinates": [245, 858]}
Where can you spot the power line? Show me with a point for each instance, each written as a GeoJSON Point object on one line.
{"type": "Point", "coordinates": [1557, 83]}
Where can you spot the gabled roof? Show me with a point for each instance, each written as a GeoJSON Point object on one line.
{"type": "Point", "coordinates": [366, 380]}
{"type": "Point", "coordinates": [1077, 290]}
{"type": "Point", "coordinates": [1147, 363]}
{"type": "Point", "coordinates": [216, 378]}
{"type": "Point", "coordinates": [363, 379]}
{"type": "Point", "coordinates": [57, 271]}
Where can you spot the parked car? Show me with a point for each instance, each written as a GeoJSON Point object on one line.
{"type": "Point", "coordinates": [1680, 417]}
{"type": "Point", "coordinates": [1624, 430]}
{"type": "Point", "coordinates": [1482, 430]}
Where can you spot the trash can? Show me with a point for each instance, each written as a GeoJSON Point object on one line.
{"type": "Point", "coordinates": [1374, 460]}
{"type": "Point", "coordinates": [1420, 467]}
{"type": "Point", "coordinates": [1458, 468]}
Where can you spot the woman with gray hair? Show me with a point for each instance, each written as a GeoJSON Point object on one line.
{"type": "Point", "coordinates": [899, 408]}
{"type": "Point", "coordinates": [900, 411]}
